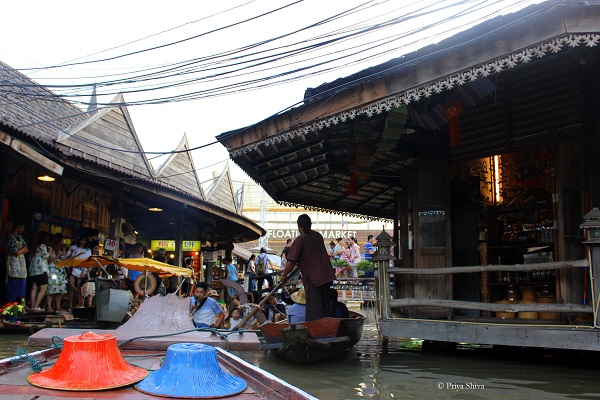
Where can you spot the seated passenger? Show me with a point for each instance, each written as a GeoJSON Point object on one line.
{"type": "Point", "coordinates": [274, 311]}
{"type": "Point", "coordinates": [338, 309]}
{"type": "Point", "coordinates": [235, 318]}
{"type": "Point", "coordinates": [297, 312]}
{"type": "Point", "coordinates": [205, 311]}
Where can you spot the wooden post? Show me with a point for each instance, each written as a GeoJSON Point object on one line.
{"type": "Point", "coordinates": [594, 254]}
{"type": "Point", "coordinates": [115, 217]}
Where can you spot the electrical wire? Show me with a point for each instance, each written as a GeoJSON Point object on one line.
{"type": "Point", "coordinates": [163, 153]}
{"type": "Point", "coordinates": [187, 96]}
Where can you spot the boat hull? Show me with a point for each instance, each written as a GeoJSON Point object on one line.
{"type": "Point", "coordinates": [314, 341]}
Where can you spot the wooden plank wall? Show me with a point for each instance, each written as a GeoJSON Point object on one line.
{"type": "Point", "coordinates": [63, 198]}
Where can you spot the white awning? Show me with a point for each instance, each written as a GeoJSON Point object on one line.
{"type": "Point", "coordinates": [241, 252]}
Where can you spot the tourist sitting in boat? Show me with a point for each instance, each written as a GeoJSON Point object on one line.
{"type": "Point", "coordinates": [235, 318]}
{"type": "Point", "coordinates": [205, 311]}
{"type": "Point", "coordinates": [338, 309]}
{"type": "Point", "coordinates": [274, 311]}
{"type": "Point", "coordinates": [297, 311]}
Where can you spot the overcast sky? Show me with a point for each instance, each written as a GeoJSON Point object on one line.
{"type": "Point", "coordinates": [48, 33]}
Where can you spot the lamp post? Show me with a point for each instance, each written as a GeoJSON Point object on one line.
{"type": "Point", "coordinates": [591, 226]}
{"type": "Point", "coordinates": [381, 259]}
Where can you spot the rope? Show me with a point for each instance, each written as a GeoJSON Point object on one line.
{"type": "Point", "coordinates": [55, 343]}
{"type": "Point", "coordinates": [24, 356]}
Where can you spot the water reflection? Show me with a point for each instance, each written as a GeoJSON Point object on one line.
{"type": "Point", "coordinates": [404, 371]}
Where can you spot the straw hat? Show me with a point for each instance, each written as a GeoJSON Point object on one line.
{"type": "Point", "coordinates": [191, 370]}
{"type": "Point", "coordinates": [212, 293]}
{"type": "Point", "coordinates": [88, 362]}
{"type": "Point", "coordinates": [299, 297]}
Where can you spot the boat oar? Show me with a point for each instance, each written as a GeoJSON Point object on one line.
{"type": "Point", "coordinates": [242, 323]}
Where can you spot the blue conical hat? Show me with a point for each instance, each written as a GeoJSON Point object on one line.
{"type": "Point", "coordinates": [191, 370]}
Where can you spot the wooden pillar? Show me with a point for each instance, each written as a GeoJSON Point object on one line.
{"type": "Point", "coordinates": [594, 256]}
{"type": "Point", "coordinates": [179, 240]}
{"type": "Point", "coordinates": [210, 264]}
{"type": "Point", "coordinates": [3, 184]}
{"type": "Point", "coordinates": [116, 204]}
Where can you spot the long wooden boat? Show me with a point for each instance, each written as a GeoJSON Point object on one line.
{"type": "Point", "coordinates": [313, 341]}
{"type": "Point", "coordinates": [261, 384]}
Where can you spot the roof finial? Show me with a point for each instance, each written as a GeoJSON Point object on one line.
{"type": "Point", "coordinates": [93, 105]}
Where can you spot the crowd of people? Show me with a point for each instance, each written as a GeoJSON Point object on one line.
{"type": "Point", "coordinates": [45, 282]}
{"type": "Point", "coordinates": [51, 288]}
{"type": "Point", "coordinates": [208, 311]}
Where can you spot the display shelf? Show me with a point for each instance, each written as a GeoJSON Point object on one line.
{"type": "Point", "coordinates": [531, 283]}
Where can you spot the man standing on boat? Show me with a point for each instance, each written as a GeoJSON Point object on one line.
{"type": "Point", "coordinates": [308, 251]}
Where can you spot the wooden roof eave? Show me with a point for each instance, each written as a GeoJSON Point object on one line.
{"type": "Point", "coordinates": [429, 68]}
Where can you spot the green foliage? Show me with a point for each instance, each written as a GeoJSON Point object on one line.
{"type": "Point", "coordinates": [340, 264]}
{"type": "Point", "coordinates": [365, 265]}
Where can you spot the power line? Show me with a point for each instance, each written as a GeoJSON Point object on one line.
{"type": "Point", "coordinates": [197, 94]}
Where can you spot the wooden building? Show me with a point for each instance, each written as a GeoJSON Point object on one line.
{"type": "Point", "coordinates": [482, 150]}
{"type": "Point", "coordinates": [102, 181]}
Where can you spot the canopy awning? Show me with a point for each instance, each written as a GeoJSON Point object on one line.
{"type": "Point", "coordinates": [136, 264]}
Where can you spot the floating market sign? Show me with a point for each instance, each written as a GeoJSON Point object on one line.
{"type": "Point", "coordinates": [292, 233]}
{"type": "Point", "coordinates": [169, 245]}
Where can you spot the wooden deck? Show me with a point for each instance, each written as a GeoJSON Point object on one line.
{"type": "Point", "coordinates": [532, 334]}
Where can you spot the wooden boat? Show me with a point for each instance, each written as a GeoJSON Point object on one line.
{"type": "Point", "coordinates": [261, 384]}
{"type": "Point", "coordinates": [313, 341]}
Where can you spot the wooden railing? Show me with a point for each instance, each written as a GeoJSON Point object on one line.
{"type": "Point", "coordinates": [387, 303]}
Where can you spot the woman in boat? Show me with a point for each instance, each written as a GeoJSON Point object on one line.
{"type": "Point", "coordinates": [297, 311]}
{"type": "Point", "coordinates": [274, 311]}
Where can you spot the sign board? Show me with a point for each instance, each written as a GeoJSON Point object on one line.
{"type": "Point", "coordinates": [110, 244]}
{"type": "Point", "coordinates": [190, 245]}
{"type": "Point", "coordinates": [210, 256]}
{"type": "Point", "coordinates": [169, 245]}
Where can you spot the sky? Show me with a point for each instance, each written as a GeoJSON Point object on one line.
{"type": "Point", "coordinates": [232, 84]}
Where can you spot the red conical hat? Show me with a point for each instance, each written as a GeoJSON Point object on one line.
{"type": "Point", "coordinates": [89, 362]}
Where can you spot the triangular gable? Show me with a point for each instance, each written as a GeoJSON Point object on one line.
{"type": "Point", "coordinates": [179, 171]}
{"type": "Point", "coordinates": [102, 135]}
{"type": "Point", "coordinates": [221, 192]}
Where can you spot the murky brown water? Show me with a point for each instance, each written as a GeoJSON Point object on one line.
{"type": "Point", "coordinates": [406, 372]}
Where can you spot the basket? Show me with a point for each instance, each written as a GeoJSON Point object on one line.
{"type": "Point", "coordinates": [528, 314]}
{"type": "Point", "coordinates": [546, 314]}
{"type": "Point", "coordinates": [502, 314]}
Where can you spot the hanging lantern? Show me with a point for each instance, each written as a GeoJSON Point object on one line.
{"type": "Point", "coordinates": [453, 109]}
{"type": "Point", "coordinates": [353, 185]}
